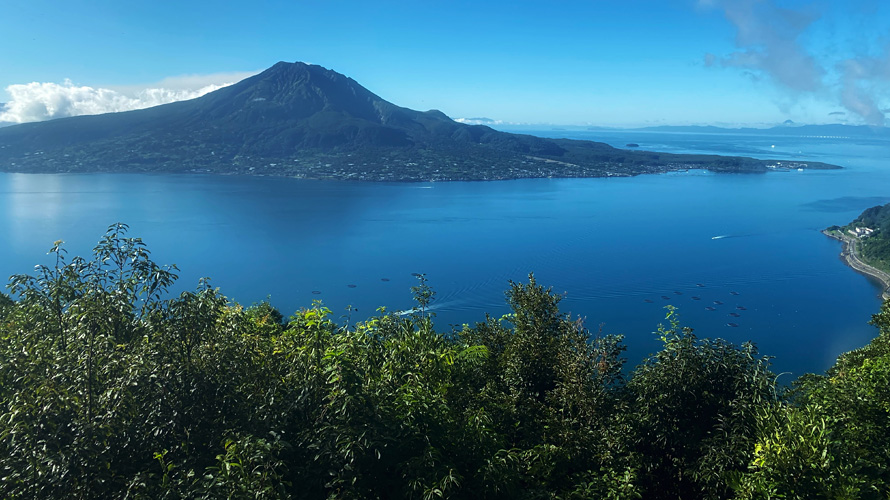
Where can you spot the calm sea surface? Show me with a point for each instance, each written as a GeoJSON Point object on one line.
{"type": "Point", "coordinates": [620, 249]}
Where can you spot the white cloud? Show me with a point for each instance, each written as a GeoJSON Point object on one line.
{"type": "Point", "coordinates": [771, 44]}
{"type": "Point", "coordinates": [768, 38]}
{"type": "Point", "coordinates": [38, 101]}
{"type": "Point", "coordinates": [479, 121]}
{"type": "Point", "coordinates": [187, 82]}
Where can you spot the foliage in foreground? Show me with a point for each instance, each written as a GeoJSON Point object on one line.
{"type": "Point", "coordinates": [110, 389]}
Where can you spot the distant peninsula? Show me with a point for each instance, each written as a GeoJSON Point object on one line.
{"type": "Point", "coordinates": [305, 121]}
{"type": "Point", "coordinates": [867, 244]}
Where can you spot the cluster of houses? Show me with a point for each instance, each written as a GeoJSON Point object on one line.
{"type": "Point", "coordinates": [787, 166]}
{"type": "Point", "coordinates": [861, 232]}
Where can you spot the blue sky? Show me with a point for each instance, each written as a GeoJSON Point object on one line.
{"type": "Point", "coordinates": [596, 62]}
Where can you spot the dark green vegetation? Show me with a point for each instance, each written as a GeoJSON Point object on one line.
{"type": "Point", "coordinates": [306, 121]}
{"type": "Point", "coordinates": [873, 249]}
{"type": "Point", "coordinates": [110, 389]}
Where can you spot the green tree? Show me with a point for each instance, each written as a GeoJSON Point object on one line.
{"type": "Point", "coordinates": [552, 391]}
{"type": "Point", "coordinates": [693, 412]}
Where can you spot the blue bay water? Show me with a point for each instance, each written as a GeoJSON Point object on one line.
{"type": "Point", "coordinates": [620, 249]}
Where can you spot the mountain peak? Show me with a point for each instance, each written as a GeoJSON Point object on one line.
{"type": "Point", "coordinates": [291, 69]}
{"type": "Point", "coordinates": [296, 91]}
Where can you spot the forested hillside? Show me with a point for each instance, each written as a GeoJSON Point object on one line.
{"type": "Point", "coordinates": [110, 388]}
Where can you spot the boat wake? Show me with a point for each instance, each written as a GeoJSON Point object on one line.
{"type": "Point", "coordinates": [431, 307]}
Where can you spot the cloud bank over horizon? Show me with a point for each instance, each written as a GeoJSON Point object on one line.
{"type": "Point", "coordinates": [771, 46]}
{"type": "Point", "coordinates": [40, 101]}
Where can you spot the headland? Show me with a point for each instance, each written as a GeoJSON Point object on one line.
{"type": "Point", "coordinates": [851, 256]}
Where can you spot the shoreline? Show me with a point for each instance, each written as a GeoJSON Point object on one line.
{"type": "Point", "coordinates": [852, 259]}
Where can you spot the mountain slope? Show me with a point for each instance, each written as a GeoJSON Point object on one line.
{"type": "Point", "coordinates": [307, 121]}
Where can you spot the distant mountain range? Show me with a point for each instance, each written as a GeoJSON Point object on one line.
{"type": "Point", "coordinates": [303, 120]}
{"type": "Point", "coordinates": [789, 129]}
{"type": "Point", "coordinates": [828, 130]}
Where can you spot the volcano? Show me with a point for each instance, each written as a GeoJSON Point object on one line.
{"type": "Point", "coordinates": [303, 120]}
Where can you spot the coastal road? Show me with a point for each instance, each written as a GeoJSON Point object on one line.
{"type": "Point", "coordinates": [850, 253]}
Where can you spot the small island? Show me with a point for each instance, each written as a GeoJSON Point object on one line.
{"type": "Point", "coordinates": [632, 145]}
{"type": "Point", "coordinates": [866, 244]}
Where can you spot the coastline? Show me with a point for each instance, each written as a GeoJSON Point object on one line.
{"type": "Point", "coordinates": [852, 259]}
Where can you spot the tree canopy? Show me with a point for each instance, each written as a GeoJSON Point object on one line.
{"type": "Point", "coordinates": [110, 387]}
